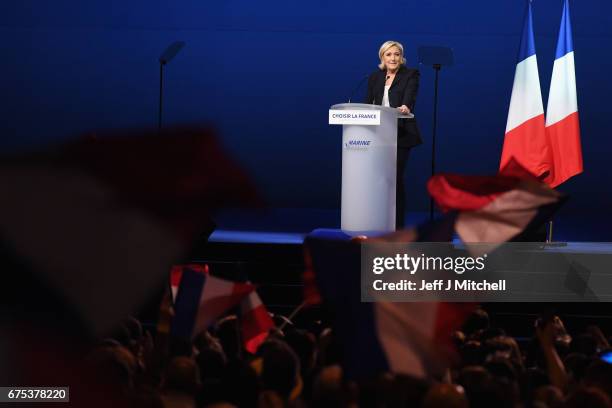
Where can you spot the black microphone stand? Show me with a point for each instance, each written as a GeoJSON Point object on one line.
{"type": "Point", "coordinates": [166, 57]}
{"type": "Point", "coordinates": [434, 128]}
{"type": "Point", "coordinates": [436, 57]}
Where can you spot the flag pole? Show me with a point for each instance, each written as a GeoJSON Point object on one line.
{"type": "Point", "coordinates": [549, 237]}
{"type": "Point", "coordinates": [292, 315]}
{"type": "Point", "coordinates": [549, 234]}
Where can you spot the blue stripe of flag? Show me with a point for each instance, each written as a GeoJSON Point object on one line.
{"type": "Point", "coordinates": [565, 43]}
{"type": "Point", "coordinates": [187, 303]}
{"type": "Point", "coordinates": [527, 48]}
{"type": "Point", "coordinates": [337, 262]}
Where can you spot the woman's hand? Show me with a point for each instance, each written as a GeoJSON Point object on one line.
{"type": "Point", "coordinates": [404, 110]}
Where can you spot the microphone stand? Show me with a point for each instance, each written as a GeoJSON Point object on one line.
{"type": "Point", "coordinates": [434, 128]}
{"type": "Point", "coordinates": [161, 94]}
{"type": "Point", "coordinates": [166, 57]}
{"type": "Point", "coordinates": [436, 57]}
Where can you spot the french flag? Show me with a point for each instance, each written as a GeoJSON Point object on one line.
{"type": "Point", "coordinates": [255, 322]}
{"type": "Point", "coordinates": [404, 338]}
{"type": "Point", "coordinates": [202, 299]}
{"type": "Point", "coordinates": [414, 338]}
{"type": "Point", "coordinates": [562, 125]}
{"type": "Point", "coordinates": [525, 138]}
{"type": "Point", "coordinates": [128, 205]}
{"type": "Point", "coordinates": [176, 273]}
{"type": "Point", "coordinates": [498, 208]}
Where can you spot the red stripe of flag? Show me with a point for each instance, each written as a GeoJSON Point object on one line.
{"type": "Point", "coordinates": [564, 140]}
{"type": "Point", "coordinates": [255, 321]}
{"type": "Point", "coordinates": [527, 144]}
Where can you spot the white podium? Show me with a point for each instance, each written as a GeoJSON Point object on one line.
{"type": "Point", "coordinates": [369, 155]}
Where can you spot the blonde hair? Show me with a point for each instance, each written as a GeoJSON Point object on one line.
{"type": "Point", "coordinates": [386, 45]}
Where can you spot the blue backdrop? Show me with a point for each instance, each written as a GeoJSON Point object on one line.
{"type": "Point", "coordinates": [265, 73]}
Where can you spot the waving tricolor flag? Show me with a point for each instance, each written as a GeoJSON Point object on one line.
{"type": "Point", "coordinates": [255, 322]}
{"type": "Point", "coordinates": [403, 338]}
{"type": "Point", "coordinates": [176, 273]}
{"type": "Point", "coordinates": [562, 127]}
{"type": "Point", "coordinates": [495, 209]}
{"type": "Point", "coordinates": [414, 338]}
{"type": "Point", "coordinates": [202, 298]}
{"type": "Point", "coordinates": [525, 139]}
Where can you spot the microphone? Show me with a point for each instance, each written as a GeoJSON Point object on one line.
{"type": "Point", "coordinates": [357, 87]}
{"type": "Point", "coordinates": [171, 52]}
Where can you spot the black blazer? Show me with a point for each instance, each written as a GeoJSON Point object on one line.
{"type": "Point", "coordinates": [403, 91]}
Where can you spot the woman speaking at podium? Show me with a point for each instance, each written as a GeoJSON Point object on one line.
{"type": "Point", "coordinates": [396, 85]}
